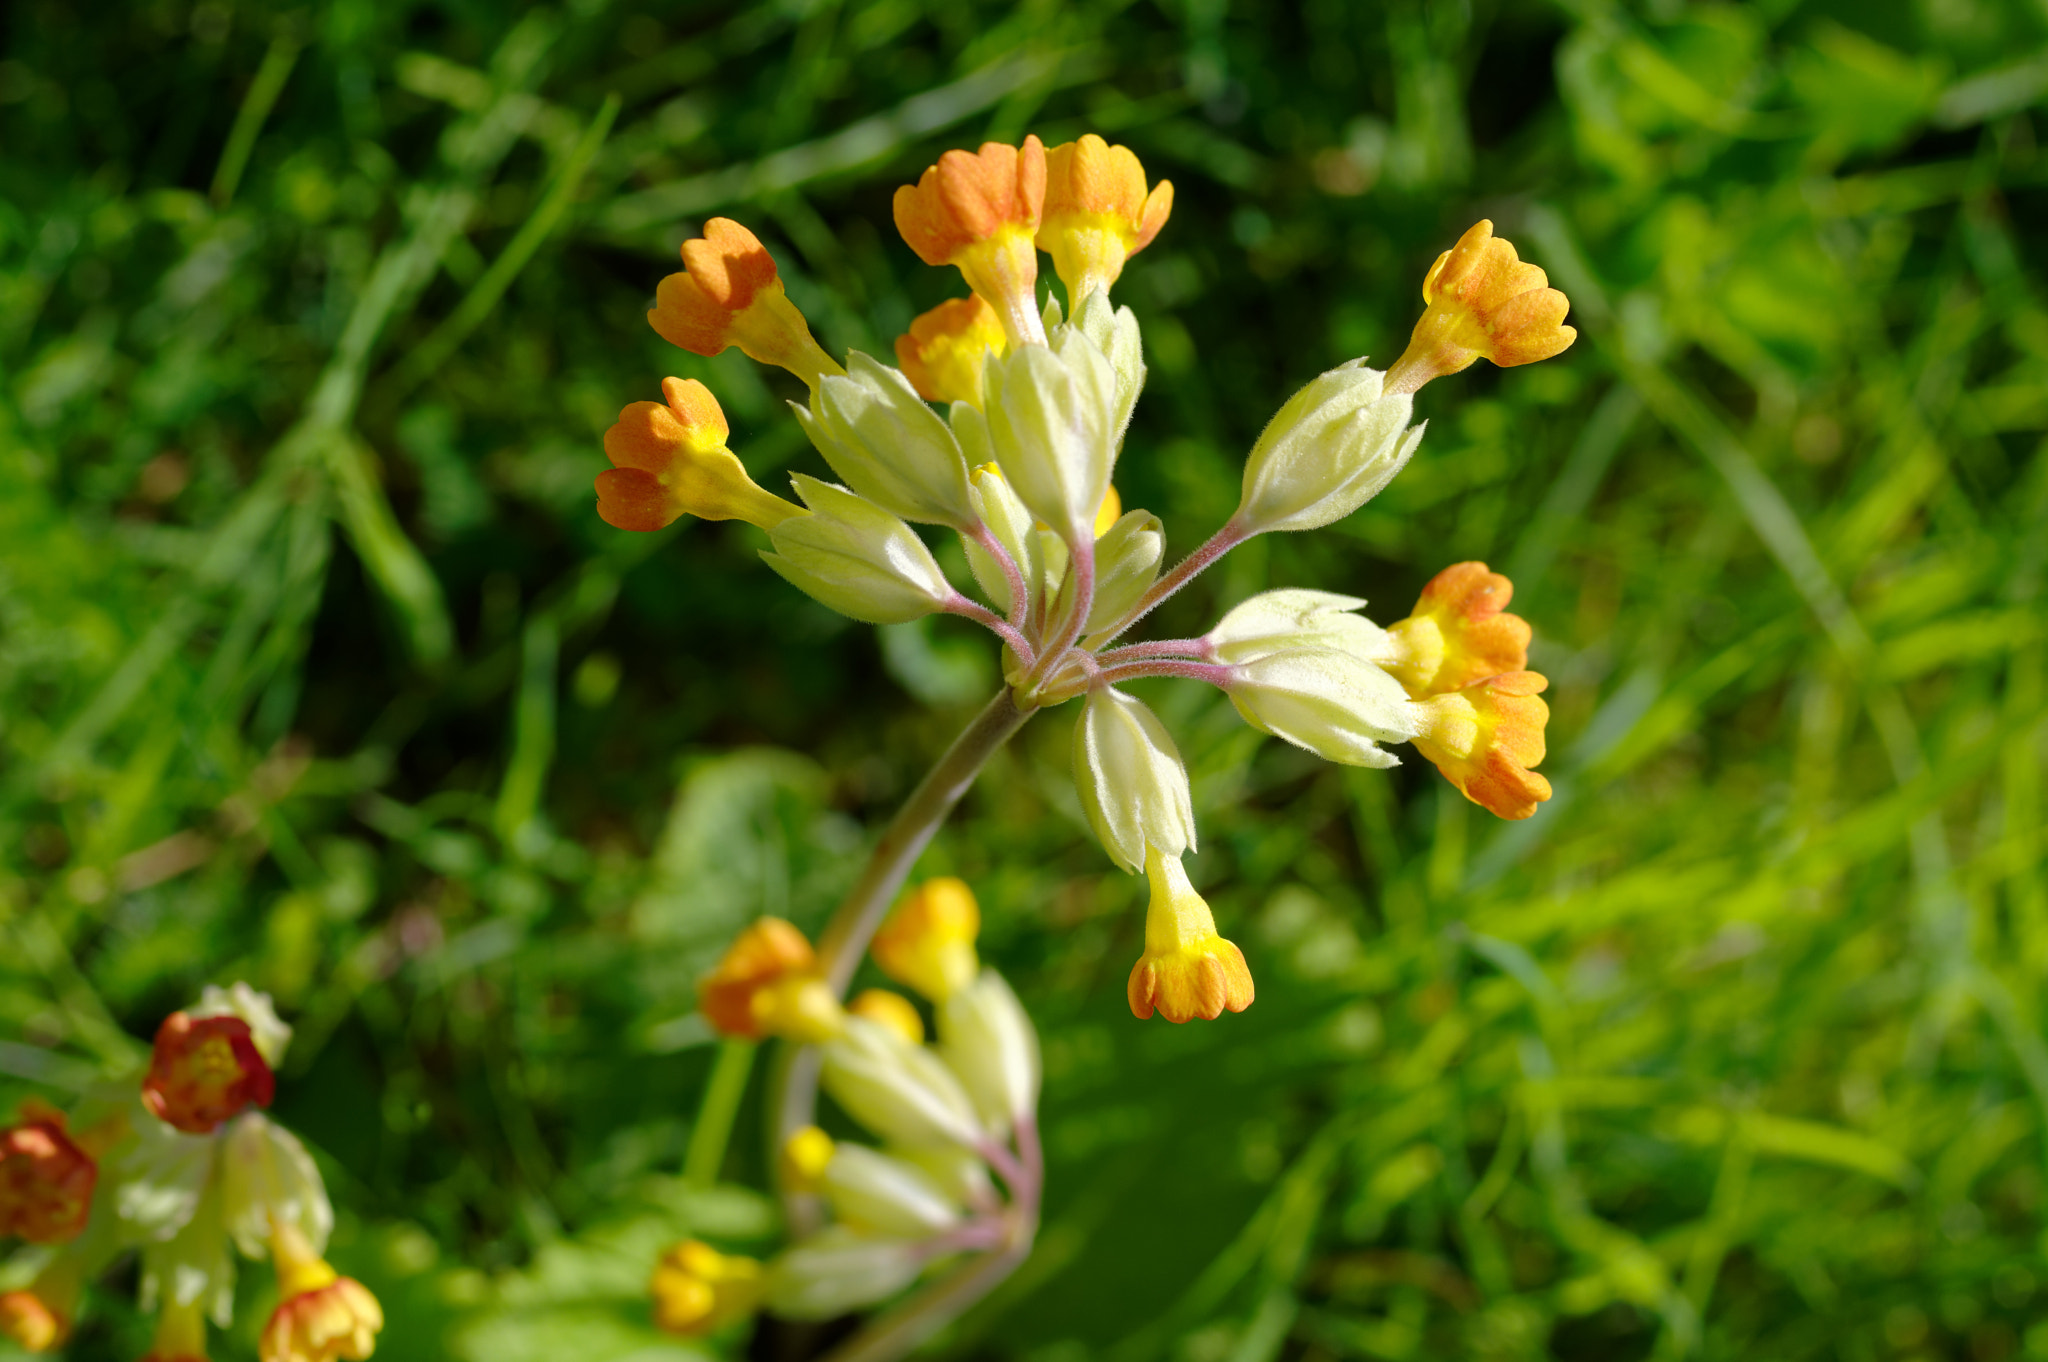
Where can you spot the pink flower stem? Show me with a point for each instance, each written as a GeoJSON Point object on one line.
{"type": "Point", "coordinates": [1165, 647]}
{"type": "Point", "coordinates": [1223, 541]}
{"type": "Point", "coordinates": [989, 619]}
{"type": "Point", "coordinates": [1082, 567]}
{"type": "Point", "coordinates": [1013, 576]}
{"type": "Point", "coordinates": [1215, 673]}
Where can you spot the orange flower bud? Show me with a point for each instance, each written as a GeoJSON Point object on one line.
{"type": "Point", "coordinates": [1483, 302]}
{"type": "Point", "coordinates": [945, 348]}
{"type": "Point", "coordinates": [805, 1156]}
{"type": "Point", "coordinates": [1097, 213]}
{"type": "Point", "coordinates": [1187, 970]}
{"type": "Point", "coordinates": [730, 294]}
{"type": "Point", "coordinates": [204, 1071]}
{"type": "Point", "coordinates": [324, 1316]}
{"type": "Point", "coordinates": [32, 1321]}
{"type": "Point", "coordinates": [1485, 738]}
{"type": "Point", "coordinates": [892, 1010]}
{"type": "Point", "coordinates": [46, 1182]}
{"type": "Point", "coordinates": [928, 941]}
{"type": "Point", "coordinates": [978, 211]}
{"type": "Point", "coordinates": [1459, 633]}
{"type": "Point", "coordinates": [671, 460]}
{"type": "Point", "coordinates": [697, 1289]}
{"type": "Point", "coordinates": [769, 984]}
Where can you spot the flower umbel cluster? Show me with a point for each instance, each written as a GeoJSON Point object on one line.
{"type": "Point", "coordinates": [1003, 421]}
{"type": "Point", "coordinates": [185, 1169]}
{"type": "Point", "coordinates": [943, 1114]}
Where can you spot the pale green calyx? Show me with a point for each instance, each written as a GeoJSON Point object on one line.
{"type": "Point", "coordinates": [1336, 705]}
{"type": "Point", "coordinates": [1127, 561]}
{"type": "Point", "coordinates": [882, 1195]}
{"type": "Point", "coordinates": [1280, 621]}
{"type": "Point", "coordinates": [1328, 450]}
{"type": "Point", "coordinates": [268, 1179]}
{"type": "Point", "coordinates": [1051, 413]}
{"type": "Point", "coordinates": [887, 444]}
{"type": "Point", "coordinates": [839, 1269]}
{"type": "Point", "coordinates": [853, 556]}
{"type": "Point", "coordinates": [902, 1092]}
{"type": "Point", "coordinates": [988, 1041]}
{"type": "Point", "coordinates": [1131, 780]}
{"type": "Point", "coordinates": [1115, 333]}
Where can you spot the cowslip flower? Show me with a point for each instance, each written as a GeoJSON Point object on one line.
{"type": "Point", "coordinates": [204, 1070]}
{"type": "Point", "coordinates": [1459, 633]}
{"type": "Point", "coordinates": [1097, 213]}
{"type": "Point", "coordinates": [1485, 737]}
{"type": "Point", "coordinates": [769, 983]}
{"type": "Point", "coordinates": [46, 1182]}
{"type": "Point", "coordinates": [670, 459]}
{"type": "Point", "coordinates": [927, 942]}
{"type": "Point", "coordinates": [892, 1010]}
{"type": "Point", "coordinates": [323, 1315]}
{"type": "Point", "coordinates": [1188, 970]}
{"type": "Point", "coordinates": [1484, 302]}
{"type": "Point", "coordinates": [730, 294]}
{"type": "Point", "coordinates": [978, 211]}
{"type": "Point", "coordinates": [698, 1290]}
{"type": "Point", "coordinates": [945, 349]}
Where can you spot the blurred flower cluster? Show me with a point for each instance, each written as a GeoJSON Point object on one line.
{"type": "Point", "coordinates": [944, 1114]}
{"type": "Point", "coordinates": [184, 1169]}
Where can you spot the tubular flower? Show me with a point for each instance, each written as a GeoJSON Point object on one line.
{"type": "Point", "coordinates": [180, 1334]}
{"type": "Point", "coordinates": [46, 1182]}
{"type": "Point", "coordinates": [1485, 738]}
{"type": "Point", "coordinates": [945, 348]}
{"type": "Point", "coordinates": [697, 1289]}
{"type": "Point", "coordinates": [1484, 302]}
{"type": "Point", "coordinates": [979, 211]}
{"type": "Point", "coordinates": [730, 294]}
{"type": "Point", "coordinates": [892, 1010]}
{"type": "Point", "coordinates": [769, 984]}
{"type": "Point", "coordinates": [1460, 633]}
{"type": "Point", "coordinates": [1187, 969]}
{"type": "Point", "coordinates": [324, 1315]}
{"type": "Point", "coordinates": [203, 1071]}
{"type": "Point", "coordinates": [671, 460]}
{"type": "Point", "coordinates": [928, 942]}
{"type": "Point", "coordinates": [1097, 213]}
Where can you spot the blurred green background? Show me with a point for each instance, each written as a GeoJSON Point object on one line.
{"type": "Point", "coordinates": [317, 667]}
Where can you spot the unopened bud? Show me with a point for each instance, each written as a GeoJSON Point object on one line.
{"type": "Point", "coordinates": [902, 1092]}
{"type": "Point", "coordinates": [885, 1196]}
{"type": "Point", "coordinates": [698, 1290]}
{"type": "Point", "coordinates": [1052, 424]}
{"type": "Point", "coordinates": [887, 444]}
{"type": "Point", "coordinates": [1130, 779]}
{"type": "Point", "coordinates": [927, 943]}
{"type": "Point", "coordinates": [1115, 333]}
{"type": "Point", "coordinates": [769, 984]}
{"type": "Point", "coordinates": [892, 1010]}
{"type": "Point", "coordinates": [854, 557]}
{"type": "Point", "coordinates": [1328, 450]}
{"type": "Point", "coordinates": [1127, 556]}
{"type": "Point", "coordinates": [987, 1039]}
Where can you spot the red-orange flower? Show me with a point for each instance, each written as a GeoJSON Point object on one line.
{"type": "Point", "coordinates": [1483, 301]}
{"type": "Point", "coordinates": [1460, 633]}
{"type": "Point", "coordinates": [323, 1316]}
{"type": "Point", "coordinates": [1485, 737]}
{"type": "Point", "coordinates": [1097, 213]}
{"type": "Point", "coordinates": [943, 353]}
{"type": "Point", "coordinates": [46, 1182]}
{"type": "Point", "coordinates": [204, 1071]}
{"type": "Point", "coordinates": [769, 984]}
{"type": "Point", "coordinates": [671, 460]}
{"type": "Point", "coordinates": [978, 211]}
{"type": "Point", "coordinates": [730, 294]}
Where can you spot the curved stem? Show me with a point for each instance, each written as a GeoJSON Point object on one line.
{"type": "Point", "coordinates": [1165, 647]}
{"type": "Point", "coordinates": [989, 619]}
{"type": "Point", "coordinates": [1223, 541]}
{"type": "Point", "coordinates": [1081, 571]}
{"type": "Point", "coordinates": [1013, 576]}
{"type": "Point", "coordinates": [1215, 673]}
{"type": "Point", "coordinates": [845, 938]}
